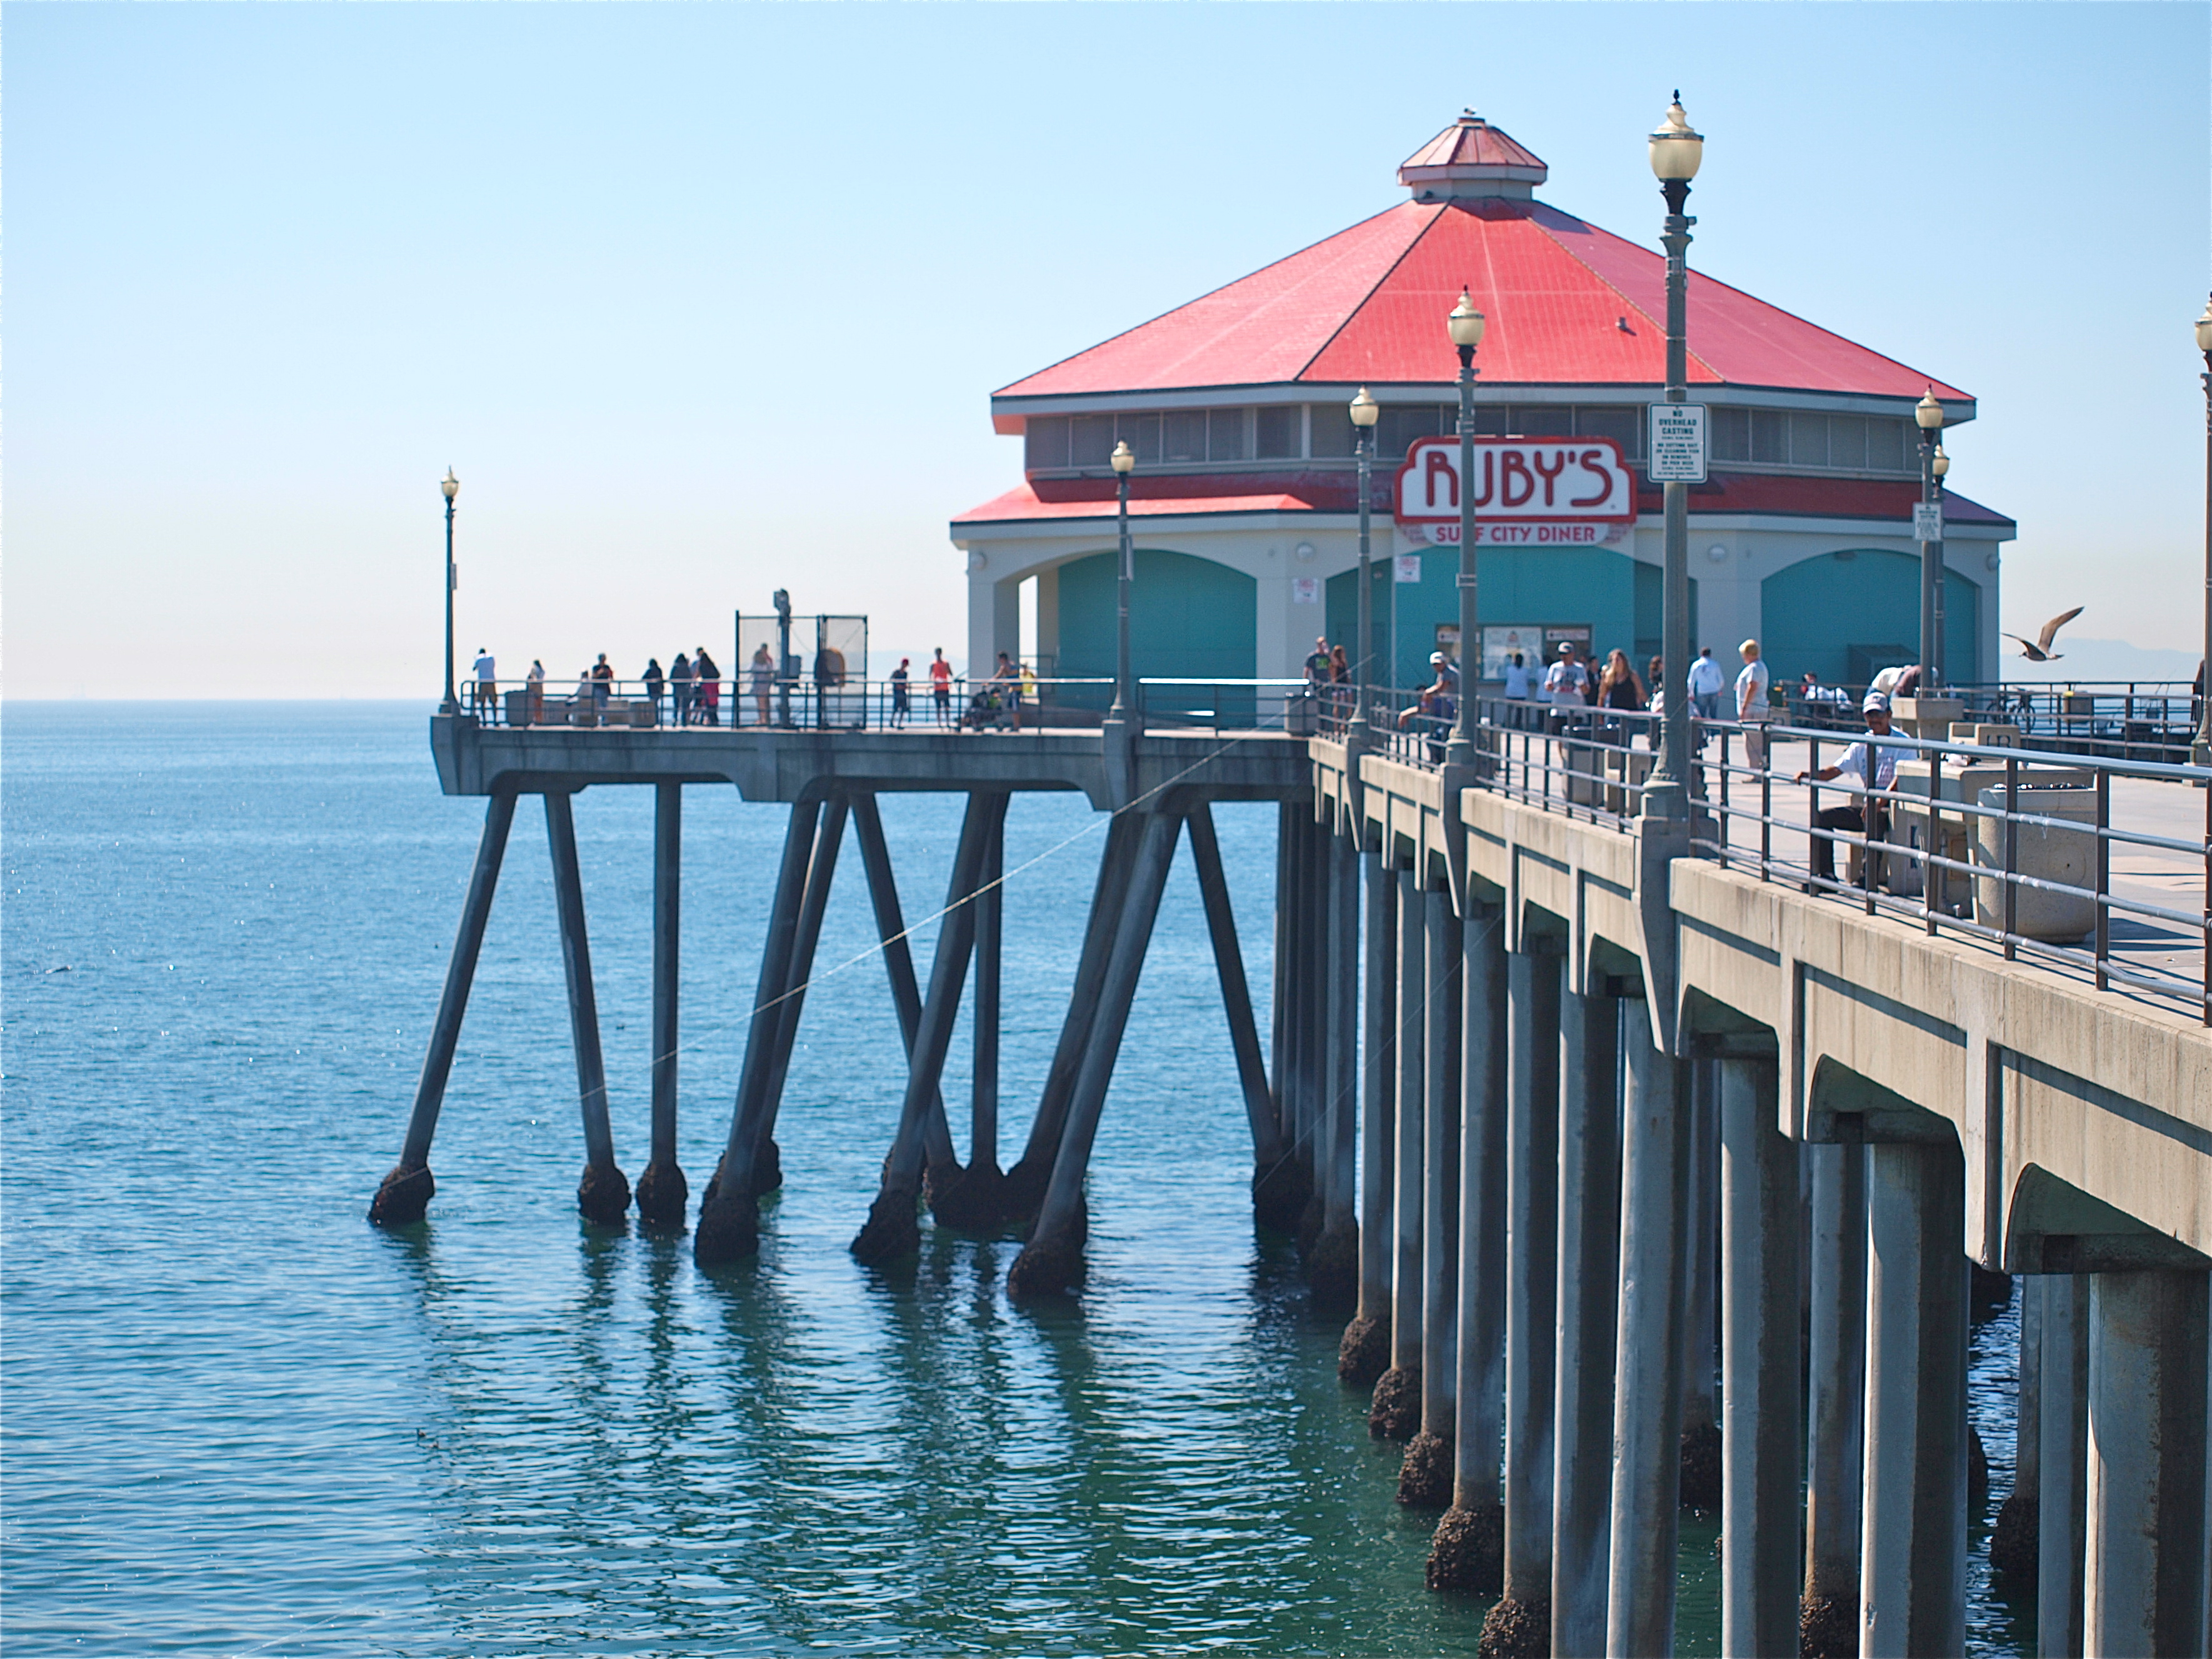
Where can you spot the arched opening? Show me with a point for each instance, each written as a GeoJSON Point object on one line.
{"type": "Point", "coordinates": [1847, 614]}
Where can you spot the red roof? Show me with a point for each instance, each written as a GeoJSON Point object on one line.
{"type": "Point", "coordinates": [1367, 306]}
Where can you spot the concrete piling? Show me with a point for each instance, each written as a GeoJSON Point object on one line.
{"type": "Point", "coordinates": [1052, 1261]}
{"type": "Point", "coordinates": [1425, 1479]}
{"type": "Point", "coordinates": [1588, 1273]}
{"type": "Point", "coordinates": [1520, 1623]}
{"type": "Point", "coordinates": [2062, 1464]}
{"type": "Point", "coordinates": [1700, 1486]}
{"type": "Point", "coordinates": [1655, 1238]}
{"type": "Point", "coordinates": [1912, 1552]}
{"type": "Point", "coordinates": [1395, 1410]}
{"type": "Point", "coordinates": [728, 1226]}
{"type": "Point", "coordinates": [1025, 1182]}
{"type": "Point", "coordinates": [1333, 1267]}
{"type": "Point", "coordinates": [407, 1190]}
{"type": "Point", "coordinates": [2013, 1550]}
{"type": "Point", "coordinates": [1467, 1551]}
{"type": "Point", "coordinates": [813, 904]}
{"type": "Point", "coordinates": [1762, 1452]}
{"type": "Point", "coordinates": [1268, 1144]}
{"type": "Point", "coordinates": [603, 1194]}
{"type": "Point", "coordinates": [661, 1189]}
{"type": "Point", "coordinates": [1363, 1353]}
{"type": "Point", "coordinates": [2149, 1554]}
{"type": "Point", "coordinates": [1836, 1418]}
{"type": "Point", "coordinates": [892, 1229]}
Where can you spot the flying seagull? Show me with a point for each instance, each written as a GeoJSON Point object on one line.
{"type": "Point", "coordinates": [2039, 649]}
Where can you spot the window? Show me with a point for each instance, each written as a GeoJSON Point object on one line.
{"type": "Point", "coordinates": [1399, 424]}
{"type": "Point", "coordinates": [1769, 436]}
{"type": "Point", "coordinates": [1886, 446]}
{"type": "Point", "coordinates": [1182, 435]}
{"type": "Point", "coordinates": [1490, 420]}
{"type": "Point", "coordinates": [1044, 442]}
{"type": "Point", "coordinates": [1279, 432]}
{"type": "Point", "coordinates": [1142, 433]}
{"type": "Point", "coordinates": [1543, 421]}
{"type": "Point", "coordinates": [1091, 441]}
{"type": "Point", "coordinates": [1619, 423]}
{"type": "Point", "coordinates": [1847, 445]}
{"type": "Point", "coordinates": [1331, 428]}
{"type": "Point", "coordinates": [1808, 441]}
{"type": "Point", "coordinates": [1228, 435]}
{"type": "Point", "coordinates": [1731, 435]}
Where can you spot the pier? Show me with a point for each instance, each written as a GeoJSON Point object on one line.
{"type": "Point", "coordinates": [1634, 1150]}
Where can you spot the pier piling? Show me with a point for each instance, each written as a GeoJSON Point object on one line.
{"type": "Point", "coordinates": [1363, 1353]}
{"type": "Point", "coordinates": [1589, 1269]}
{"type": "Point", "coordinates": [1467, 1551]}
{"type": "Point", "coordinates": [1520, 1623]}
{"type": "Point", "coordinates": [1762, 1450]}
{"type": "Point", "coordinates": [1395, 1410]}
{"type": "Point", "coordinates": [406, 1191]}
{"type": "Point", "coordinates": [602, 1195]}
{"type": "Point", "coordinates": [1425, 1479]}
{"type": "Point", "coordinates": [661, 1189]}
{"type": "Point", "coordinates": [1836, 1416]}
{"type": "Point", "coordinates": [1052, 1261]}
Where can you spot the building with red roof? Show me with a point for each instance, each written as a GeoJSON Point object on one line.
{"type": "Point", "coordinates": [1245, 495]}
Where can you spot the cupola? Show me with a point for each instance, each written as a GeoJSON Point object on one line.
{"type": "Point", "coordinates": [1472, 160]}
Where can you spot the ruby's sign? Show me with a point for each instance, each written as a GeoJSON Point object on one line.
{"type": "Point", "coordinates": [1527, 491]}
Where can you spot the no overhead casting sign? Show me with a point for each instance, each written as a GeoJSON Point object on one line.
{"type": "Point", "coordinates": [1529, 492]}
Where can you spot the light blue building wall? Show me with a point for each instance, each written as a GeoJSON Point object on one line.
{"type": "Point", "coordinates": [1849, 614]}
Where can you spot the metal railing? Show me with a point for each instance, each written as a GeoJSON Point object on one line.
{"type": "Point", "coordinates": [2013, 845]}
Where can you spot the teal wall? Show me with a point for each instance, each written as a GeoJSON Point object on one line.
{"type": "Point", "coordinates": [1848, 614]}
{"type": "Point", "coordinates": [1608, 591]}
{"type": "Point", "coordinates": [1189, 619]}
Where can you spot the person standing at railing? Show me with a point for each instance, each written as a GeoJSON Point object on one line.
{"type": "Point", "coordinates": [679, 690]}
{"type": "Point", "coordinates": [1438, 708]}
{"type": "Point", "coordinates": [1565, 683]}
{"type": "Point", "coordinates": [1874, 763]}
{"type": "Point", "coordinates": [1618, 688]}
{"type": "Point", "coordinates": [603, 685]}
{"type": "Point", "coordinates": [901, 706]}
{"type": "Point", "coordinates": [534, 683]}
{"type": "Point", "coordinates": [1339, 687]}
{"type": "Point", "coordinates": [707, 689]}
{"type": "Point", "coordinates": [940, 687]}
{"type": "Point", "coordinates": [760, 684]}
{"type": "Point", "coordinates": [1516, 691]}
{"type": "Point", "coordinates": [1752, 708]}
{"type": "Point", "coordinates": [1706, 684]}
{"type": "Point", "coordinates": [487, 686]}
{"type": "Point", "coordinates": [1027, 693]}
{"type": "Point", "coordinates": [653, 683]}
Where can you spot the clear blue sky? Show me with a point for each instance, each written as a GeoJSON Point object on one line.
{"type": "Point", "coordinates": [704, 300]}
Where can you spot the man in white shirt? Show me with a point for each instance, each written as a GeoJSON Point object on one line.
{"type": "Point", "coordinates": [1564, 686]}
{"type": "Point", "coordinates": [1705, 683]}
{"type": "Point", "coordinates": [1871, 764]}
{"type": "Point", "coordinates": [1752, 708]}
{"type": "Point", "coordinates": [487, 685]}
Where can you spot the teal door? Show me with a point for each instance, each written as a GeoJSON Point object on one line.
{"type": "Point", "coordinates": [1847, 614]}
{"type": "Point", "coordinates": [1189, 619]}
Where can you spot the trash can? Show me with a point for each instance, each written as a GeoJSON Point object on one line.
{"type": "Point", "coordinates": [518, 707]}
{"type": "Point", "coordinates": [2045, 852]}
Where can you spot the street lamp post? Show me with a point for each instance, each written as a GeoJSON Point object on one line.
{"type": "Point", "coordinates": [451, 487]}
{"type": "Point", "coordinates": [1466, 326]}
{"type": "Point", "coordinates": [1675, 152]}
{"type": "Point", "coordinates": [2202, 749]}
{"type": "Point", "coordinates": [1929, 414]}
{"type": "Point", "coordinates": [1364, 409]}
{"type": "Point", "coordinates": [1124, 691]}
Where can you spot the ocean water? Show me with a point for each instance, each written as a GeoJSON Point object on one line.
{"type": "Point", "coordinates": [239, 1420]}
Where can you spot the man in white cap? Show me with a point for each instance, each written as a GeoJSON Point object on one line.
{"type": "Point", "coordinates": [1564, 684]}
{"type": "Point", "coordinates": [1872, 765]}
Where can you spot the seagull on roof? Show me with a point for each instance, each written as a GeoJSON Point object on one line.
{"type": "Point", "coordinates": [2039, 649]}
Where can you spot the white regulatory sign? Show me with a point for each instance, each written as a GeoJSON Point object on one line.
{"type": "Point", "coordinates": [1678, 443]}
{"type": "Point", "coordinates": [1927, 521]}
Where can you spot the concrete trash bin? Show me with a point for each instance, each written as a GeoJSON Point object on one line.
{"type": "Point", "coordinates": [2045, 852]}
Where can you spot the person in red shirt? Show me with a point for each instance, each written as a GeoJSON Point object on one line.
{"type": "Point", "coordinates": [941, 686]}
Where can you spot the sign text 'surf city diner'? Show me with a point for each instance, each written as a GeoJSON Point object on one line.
{"type": "Point", "coordinates": [1579, 485]}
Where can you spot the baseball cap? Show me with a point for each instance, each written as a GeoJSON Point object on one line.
{"type": "Point", "coordinates": [1875, 700]}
